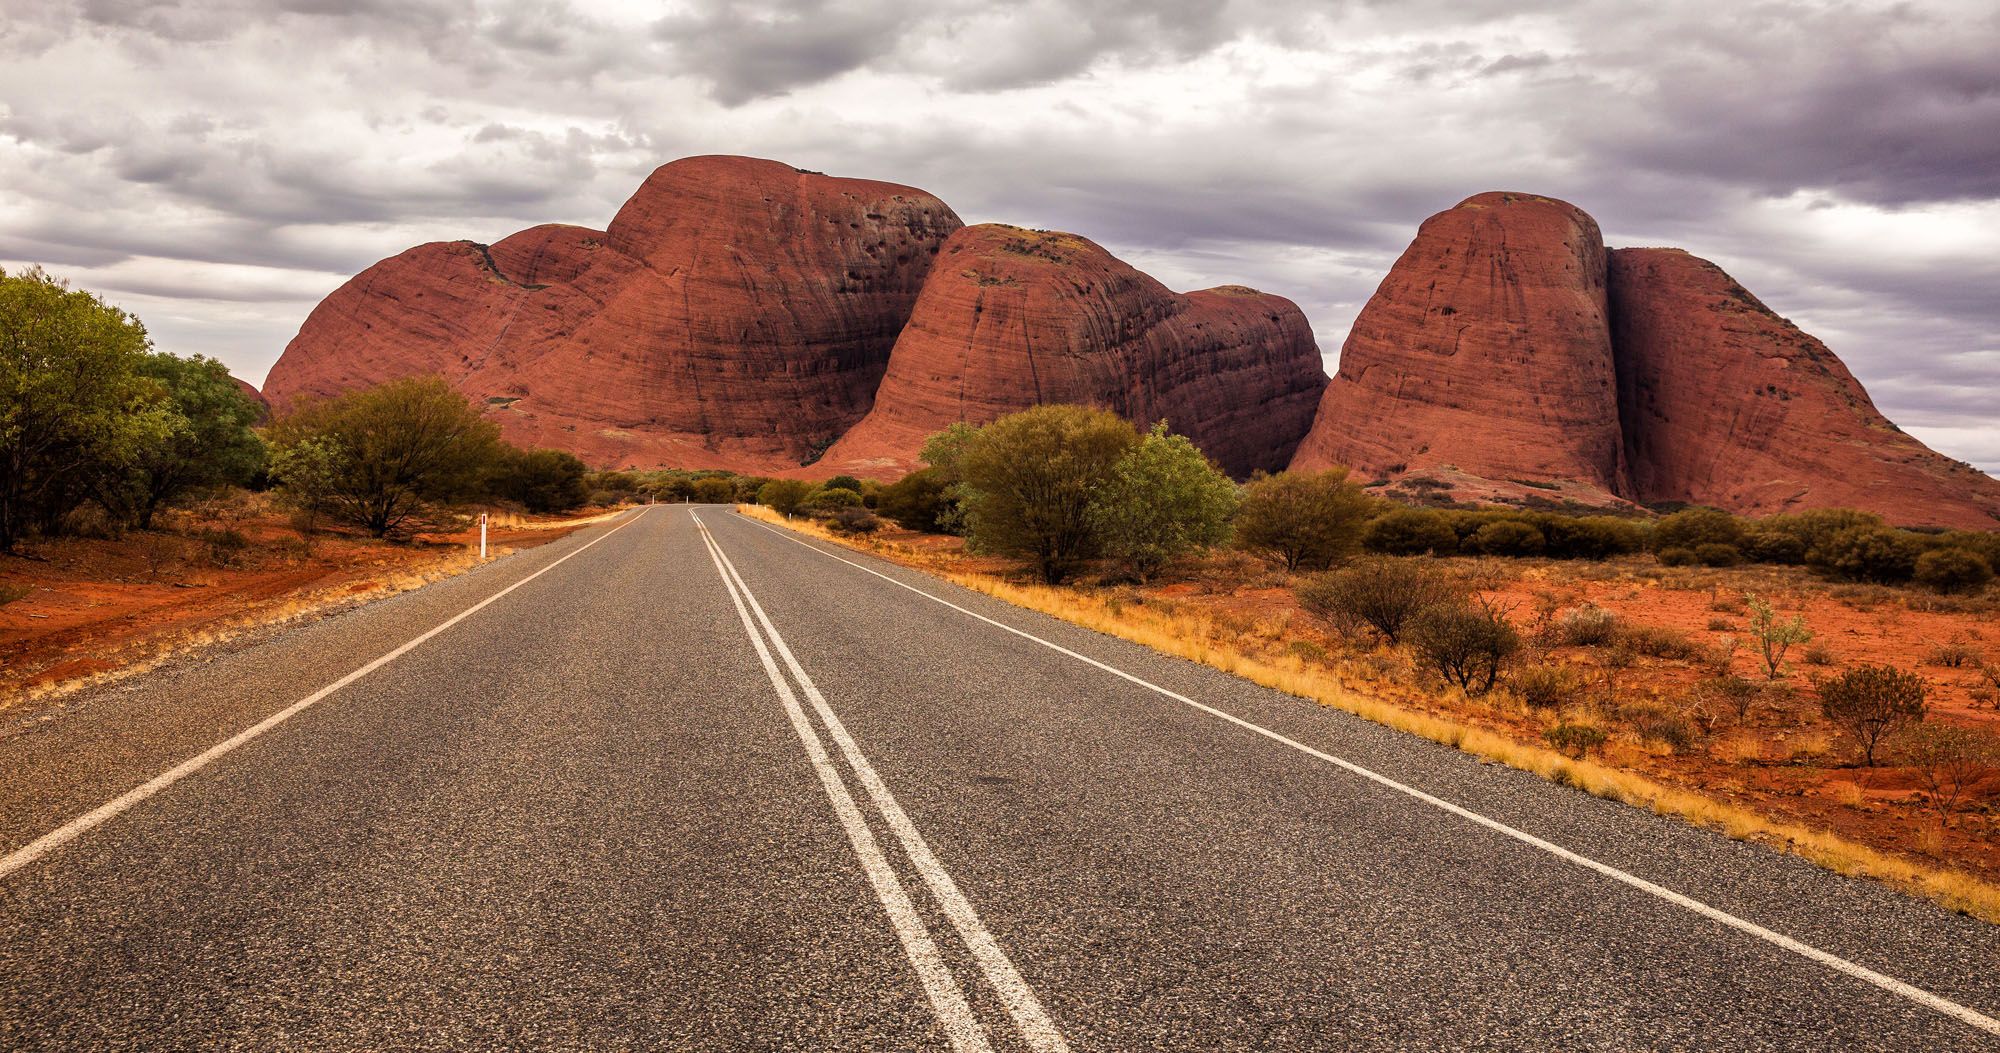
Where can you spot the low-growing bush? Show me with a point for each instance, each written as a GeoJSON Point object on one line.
{"type": "Point", "coordinates": [922, 500]}
{"type": "Point", "coordinates": [853, 520]}
{"type": "Point", "coordinates": [1952, 570]}
{"type": "Point", "coordinates": [1592, 537]}
{"type": "Point", "coordinates": [1667, 729]}
{"type": "Point", "coordinates": [1574, 740]}
{"type": "Point", "coordinates": [1715, 554]}
{"type": "Point", "coordinates": [1658, 642]}
{"type": "Point", "coordinates": [784, 496]}
{"type": "Point", "coordinates": [1694, 527]}
{"type": "Point", "coordinates": [1732, 692]}
{"type": "Point", "coordinates": [1586, 626]}
{"type": "Point", "coordinates": [1544, 686]}
{"type": "Point", "coordinates": [1818, 655]}
{"type": "Point", "coordinates": [1384, 594]}
{"type": "Point", "coordinates": [1878, 554]}
{"type": "Point", "coordinates": [1678, 557]}
{"type": "Point", "coordinates": [1410, 532]}
{"type": "Point", "coordinates": [10, 592]}
{"type": "Point", "coordinates": [721, 492]}
{"type": "Point", "coordinates": [1465, 642]}
{"type": "Point", "coordinates": [827, 501]}
{"type": "Point", "coordinates": [1949, 760]}
{"type": "Point", "coordinates": [1774, 546]}
{"type": "Point", "coordinates": [1954, 654]}
{"type": "Point", "coordinates": [1871, 703]}
{"type": "Point", "coordinates": [1508, 537]}
{"type": "Point", "coordinates": [1720, 625]}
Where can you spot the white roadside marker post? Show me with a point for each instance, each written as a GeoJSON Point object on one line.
{"type": "Point", "coordinates": [482, 537]}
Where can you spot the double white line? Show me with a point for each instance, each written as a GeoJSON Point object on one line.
{"type": "Point", "coordinates": [947, 998]}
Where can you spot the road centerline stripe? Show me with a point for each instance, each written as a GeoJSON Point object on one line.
{"type": "Point", "coordinates": [1965, 1014]}
{"type": "Point", "coordinates": [948, 1001]}
{"type": "Point", "coordinates": [124, 802]}
{"type": "Point", "coordinates": [1022, 1004]}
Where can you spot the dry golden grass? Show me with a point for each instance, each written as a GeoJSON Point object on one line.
{"type": "Point", "coordinates": [1171, 630]}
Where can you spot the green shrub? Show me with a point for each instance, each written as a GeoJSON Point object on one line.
{"type": "Point", "coordinates": [1878, 554]}
{"type": "Point", "coordinates": [1163, 500]}
{"type": "Point", "coordinates": [1304, 521]}
{"type": "Point", "coordinates": [920, 500]}
{"type": "Point", "coordinates": [1678, 557]}
{"type": "Point", "coordinates": [1574, 740]}
{"type": "Point", "coordinates": [1774, 546]}
{"type": "Point", "coordinates": [842, 482]}
{"type": "Point", "coordinates": [718, 491]}
{"type": "Point", "coordinates": [784, 496]}
{"type": "Point", "coordinates": [1812, 528]}
{"type": "Point", "coordinates": [1775, 636]}
{"type": "Point", "coordinates": [1871, 703]}
{"type": "Point", "coordinates": [1508, 537]}
{"type": "Point", "coordinates": [1952, 570]}
{"type": "Point", "coordinates": [1545, 686]}
{"type": "Point", "coordinates": [1694, 527]}
{"type": "Point", "coordinates": [1592, 537]}
{"type": "Point", "coordinates": [1410, 532]}
{"type": "Point", "coordinates": [1658, 641]}
{"type": "Point", "coordinates": [543, 481]}
{"type": "Point", "coordinates": [1586, 626]}
{"type": "Point", "coordinates": [10, 592]}
{"type": "Point", "coordinates": [826, 501]}
{"type": "Point", "coordinates": [1384, 594]}
{"type": "Point", "coordinates": [1713, 554]}
{"type": "Point", "coordinates": [853, 519]}
{"type": "Point", "coordinates": [1465, 642]}
{"type": "Point", "coordinates": [1029, 481]}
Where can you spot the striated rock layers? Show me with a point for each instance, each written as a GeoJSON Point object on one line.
{"type": "Point", "coordinates": [1486, 352]}
{"type": "Point", "coordinates": [736, 313]}
{"type": "Point", "coordinates": [1509, 356]}
{"type": "Point", "coordinates": [1726, 404]}
{"type": "Point", "coordinates": [1012, 318]}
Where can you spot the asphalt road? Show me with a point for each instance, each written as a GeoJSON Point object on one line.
{"type": "Point", "coordinates": [671, 784]}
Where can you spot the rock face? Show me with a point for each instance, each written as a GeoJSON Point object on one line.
{"type": "Point", "coordinates": [736, 313]}
{"type": "Point", "coordinates": [1012, 318]}
{"type": "Point", "coordinates": [1484, 357]}
{"type": "Point", "coordinates": [1726, 404]}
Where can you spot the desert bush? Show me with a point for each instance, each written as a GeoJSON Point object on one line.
{"type": "Point", "coordinates": [1720, 625]}
{"type": "Point", "coordinates": [918, 501]}
{"type": "Point", "coordinates": [1658, 641]}
{"type": "Point", "coordinates": [1878, 554]}
{"type": "Point", "coordinates": [225, 547]}
{"type": "Point", "coordinates": [1591, 537]}
{"type": "Point", "coordinates": [854, 519]}
{"type": "Point", "coordinates": [1952, 570]}
{"type": "Point", "coordinates": [1466, 642]}
{"type": "Point", "coordinates": [1410, 532]}
{"type": "Point", "coordinates": [784, 496]}
{"type": "Point", "coordinates": [1574, 740]}
{"type": "Point", "coordinates": [1384, 593]}
{"type": "Point", "coordinates": [1508, 537]}
{"type": "Point", "coordinates": [1774, 635]}
{"type": "Point", "coordinates": [1713, 554]}
{"type": "Point", "coordinates": [1818, 655]}
{"type": "Point", "coordinates": [1545, 686]}
{"type": "Point", "coordinates": [543, 481]}
{"type": "Point", "coordinates": [10, 592]}
{"type": "Point", "coordinates": [1030, 478]}
{"type": "Point", "coordinates": [1586, 626]}
{"type": "Point", "coordinates": [1670, 730]}
{"type": "Point", "coordinates": [1163, 499]}
{"type": "Point", "coordinates": [1678, 557]}
{"type": "Point", "coordinates": [1953, 654]}
{"type": "Point", "coordinates": [1949, 759]}
{"type": "Point", "coordinates": [842, 482]}
{"type": "Point", "coordinates": [1774, 546]}
{"type": "Point", "coordinates": [207, 443]}
{"type": "Point", "coordinates": [717, 490]}
{"type": "Point", "coordinates": [1732, 692]}
{"type": "Point", "coordinates": [1813, 527]}
{"type": "Point", "coordinates": [825, 501]}
{"type": "Point", "coordinates": [1303, 521]}
{"type": "Point", "coordinates": [1692, 528]}
{"type": "Point", "coordinates": [1871, 703]}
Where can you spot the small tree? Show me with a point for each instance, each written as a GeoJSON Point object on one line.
{"type": "Point", "coordinates": [1878, 554]}
{"type": "Point", "coordinates": [918, 501]}
{"type": "Point", "coordinates": [207, 442]}
{"type": "Point", "coordinates": [1163, 499]}
{"type": "Point", "coordinates": [784, 496]}
{"type": "Point", "coordinates": [1410, 532]}
{"type": "Point", "coordinates": [1949, 759]}
{"type": "Point", "coordinates": [307, 472]}
{"type": "Point", "coordinates": [1953, 570]}
{"type": "Point", "coordinates": [1384, 594]}
{"type": "Point", "coordinates": [406, 447]}
{"type": "Point", "coordinates": [1303, 521]}
{"type": "Point", "coordinates": [1031, 477]}
{"type": "Point", "coordinates": [543, 481]}
{"type": "Point", "coordinates": [1775, 637]}
{"type": "Point", "coordinates": [842, 482]}
{"type": "Point", "coordinates": [1467, 643]}
{"type": "Point", "coordinates": [1871, 703]}
{"type": "Point", "coordinates": [717, 490]}
{"type": "Point", "coordinates": [1508, 537]}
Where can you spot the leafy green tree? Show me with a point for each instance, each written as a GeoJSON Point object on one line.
{"type": "Point", "coordinates": [918, 501]}
{"type": "Point", "coordinates": [543, 481]}
{"type": "Point", "coordinates": [74, 408]}
{"type": "Point", "coordinates": [1163, 500]}
{"type": "Point", "coordinates": [1304, 521]}
{"type": "Point", "coordinates": [307, 473]}
{"type": "Point", "coordinates": [1031, 477]}
{"type": "Point", "coordinates": [209, 442]}
{"type": "Point", "coordinates": [406, 448]}
{"type": "Point", "coordinates": [944, 449]}
{"type": "Point", "coordinates": [784, 496]}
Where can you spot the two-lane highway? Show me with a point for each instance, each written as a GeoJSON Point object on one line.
{"type": "Point", "coordinates": [688, 781]}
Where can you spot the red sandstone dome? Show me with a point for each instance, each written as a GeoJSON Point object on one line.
{"type": "Point", "coordinates": [737, 313]}
{"type": "Point", "coordinates": [1012, 318]}
{"type": "Point", "coordinates": [1485, 357]}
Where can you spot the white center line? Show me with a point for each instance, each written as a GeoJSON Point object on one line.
{"type": "Point", "coordinates": [961, 1026]}
{"type": "Point", "coordinates": [124, 802]}
{"type": "Point", "coordinates": [1964, 1014]}
{"type": "Point", "coordinates": [1030, 1019]}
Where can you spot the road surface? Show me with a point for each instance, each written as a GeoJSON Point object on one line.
{"type": "Point", "coordinates": [685, 781]}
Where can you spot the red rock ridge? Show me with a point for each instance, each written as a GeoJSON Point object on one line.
{"type": "Point", "coordinates": [736, 313]}
{"type": "Point", "coordinates": [1726, 404]}
{"type": "Point", "coordinates": [1012, 318]}
{"type": "Point", "coordinates": [1485, 353]}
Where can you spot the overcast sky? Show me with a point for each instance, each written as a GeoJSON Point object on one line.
{"type": "Point", "coordinates": [217, 168]}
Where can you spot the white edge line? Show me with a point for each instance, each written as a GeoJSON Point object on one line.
{"type": "Point", "coordinates": [111, 809]}
{"type": "Point", "coordinates": [1030, 1019]}
{"type": "Point", "coordinates": [1964, 1014]}
{"type": "Point", "coordinates": [948, 1001]}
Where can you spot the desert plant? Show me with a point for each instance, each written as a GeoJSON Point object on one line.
{"type": "Point", "coordinates": [1466, 642]}
{"type": "Point", "coordinates": [1544, 686]}
{"type": "Point", "coordinates": [10, 592]}
{"type": "Point", "coordinates": [918, 501]}
{"type": "Point", "coordinates": [1878, 554]}
{"type": "Point", "coordinates": [1591, 537]}
{"type": "Point", "coordinates": [784, 496]}
{"type": "Point", "coordinates": [1030, 478]}
{"type": "Point", "coordinates": [1574, 740]}
{"type": "Point", "coordinates": [1667, 729]}
{"type": "Point", "coordinates": [543, 481]}
{"type": "Point", "coordinates": [1304, 521]}
{"type": "Point", "coordinates": [1692, 528]}
{"type": "Point", "coordinates": [1410, 532]}
{"type": "Point", "coordinates": [1731, 692]}
{"type": "Point", "coordinates": [717, 490]}
{"type": "Point", "coordinates": [1163, 499]}
{"type": "Point", "coordinates": [825, 501]}
{"type": "Point", "coordinates": [1508, 537]}
{"type": "Point", "coordinates": [1953, 570]}
{"type": "Point", "coordinates": [1384, 594]}
{"type": "Point", "coordinates": [1715, 554]}
{"type": "Point", "coordinates": [853, 519]}
{"type": "Point", "coordinates": [1949, 759]}
{"type": "Point", "coordinates": [1586, 626]}
{"type": "Point", "coordinates": [1678, 557]}
{"type": "Point", "coordinates": [1871, 703]}
{"type": "Point", "coordinates": [1774, 546]}
{"type": "Point", "coordinates": [1774, 636]}
{"type": "Point", "coordinates": [1953, 654]}
{"type": "Point", "coordinates": [842, 482]}
{"type": "Point", "coordinates": [1658, 642]}
{"type": "Point", "coordinates": [1817, 654]}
